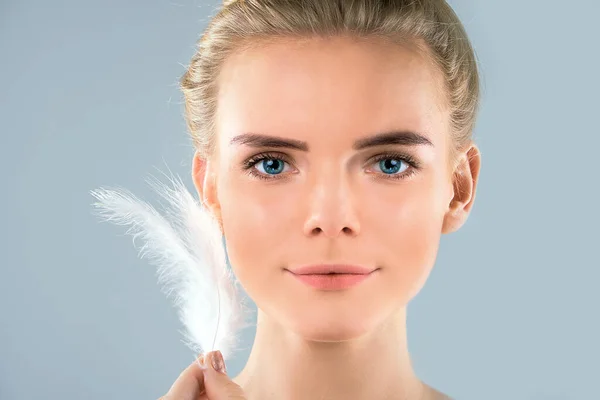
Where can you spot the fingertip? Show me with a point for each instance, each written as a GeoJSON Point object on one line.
{"type": "Point", "coordinates": [201, 361]}
{"type": "Point", "coordinates": [212, 378]}
{"type": "Point", "coordinates": [218, 362]}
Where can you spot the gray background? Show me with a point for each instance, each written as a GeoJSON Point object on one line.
{"type": "Point", "coordinates": [89, 98]}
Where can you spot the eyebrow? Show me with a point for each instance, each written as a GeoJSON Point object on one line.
{"type": "Point", "coordinates": [404, 138]}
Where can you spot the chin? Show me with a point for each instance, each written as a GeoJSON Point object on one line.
{"type": "Point", "coordinates": [334, 326]}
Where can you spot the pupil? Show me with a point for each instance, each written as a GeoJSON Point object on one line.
{"type": "Point", "coordinates": [389, 165]}
{"type": "Point", "coordinates": [273, 166]}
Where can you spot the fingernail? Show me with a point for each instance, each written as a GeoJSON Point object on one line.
{"type": "Point", "coordinates": [218, 363]}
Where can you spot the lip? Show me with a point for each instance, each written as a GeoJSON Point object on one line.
{"type": "Point", "coordinates": [332, 277]}
{"type": "Point", "coordinates": [323, 269]}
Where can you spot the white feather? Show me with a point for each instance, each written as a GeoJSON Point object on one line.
{"type": "Point", "coordinates": [187, 246]}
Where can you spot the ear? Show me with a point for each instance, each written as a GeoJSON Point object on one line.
{"type": "Point", "coordinates": [465, 180]}
{"type": "Point", "coordinates": [205, 181]}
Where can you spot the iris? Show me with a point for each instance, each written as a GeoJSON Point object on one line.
{"type": "Point", "coordinates": [390, 165]}
{"type": "Point", "coordinates": [272, 166]}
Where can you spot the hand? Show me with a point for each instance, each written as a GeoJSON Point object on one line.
{"type": "Point", "coordinates": [196, 383]}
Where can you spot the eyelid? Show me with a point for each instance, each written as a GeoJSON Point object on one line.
{"type": "Point", "coordinates": [405, 157]}
{"type": "Point", "coordinates": [256, 158]}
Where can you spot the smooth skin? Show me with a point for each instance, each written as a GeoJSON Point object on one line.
{"type": "Point", "coordinates": [333, 203]}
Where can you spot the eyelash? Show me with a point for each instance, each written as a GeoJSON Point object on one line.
{"type": "Point", "coordinates": [413, 164]}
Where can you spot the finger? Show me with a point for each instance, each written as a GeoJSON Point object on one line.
{"type": "Point", "coordinates": [189, 385]}
{"type": "Point", "coordinates": [218, 385]}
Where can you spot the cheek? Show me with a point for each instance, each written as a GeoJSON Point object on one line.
{"type": "Point", "coordinates": [409, 230]}
{"type": "Point", "coordinates": [254, 221]}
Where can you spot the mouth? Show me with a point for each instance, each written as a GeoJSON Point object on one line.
{"type": "Point", "coordinates": [332, 277]}
{"type": "Point", "coordinates": [341, 278]}
{"type": "Point", "coordinates": [332, 269]}
{"type": "Point", "coordinates": [334, 273]}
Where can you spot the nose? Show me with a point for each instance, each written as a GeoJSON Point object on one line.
{"type": "Point", "coordinates": [332, 209]}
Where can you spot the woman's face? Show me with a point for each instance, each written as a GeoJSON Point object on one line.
{"type": "Point", "coordinates": [334, 198]}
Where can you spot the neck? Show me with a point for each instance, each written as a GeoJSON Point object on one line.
{"type": "Point", "coordinates": [283, 365]}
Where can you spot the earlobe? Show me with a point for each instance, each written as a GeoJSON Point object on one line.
{"type": "Point", "coordinates": [204, 182]}
{"type": "Point", "coordinates": [465, 180]}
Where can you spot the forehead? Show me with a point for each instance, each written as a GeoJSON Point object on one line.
{"type": "Point", "coordinates": [291, 88]}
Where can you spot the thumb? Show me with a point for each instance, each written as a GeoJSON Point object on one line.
{"type": "Point", "coordinates": [217, 384]}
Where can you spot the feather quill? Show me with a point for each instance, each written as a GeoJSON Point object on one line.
{"type": "Point", "coordinates": [187, 247]}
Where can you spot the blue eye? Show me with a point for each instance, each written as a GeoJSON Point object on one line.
{"type": "Point", "coordinates": [266, 165]}
{"type": "Point", "coordinates": [272, 166]}
{"type": "Point", "coordinates": [390, 165]}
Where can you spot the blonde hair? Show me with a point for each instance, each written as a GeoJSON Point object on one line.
{"type": "Point", "coordinates": [429, 25]}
